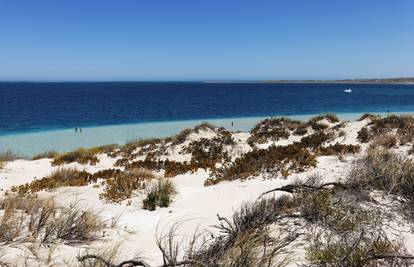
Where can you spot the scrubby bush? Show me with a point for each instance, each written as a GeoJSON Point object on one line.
{"type": "Point", "coordinates": [274, 160]}
{"type": "Point", "coordinates": [48, 154]}
{"type": "Point", "coordinates": [272, 130]}
{"type": "Point", "coordinates": [121, 187]}
{"type": "Point", "coordinates": [205, 153]}
{"type": "Point", "coordinates": [367, 116]}
{"type": "Point", "coordinates": [159, 194]}
{"type": "Point", "coordinates": [339, 149]}
{"type": "Point", "coordinates": [81, 155]}
{"type": "Point", "coordinates": [316, 139]}
{"type": "Point", "coordinates": [301, 130]}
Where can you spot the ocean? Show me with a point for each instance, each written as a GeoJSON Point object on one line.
{"type": "Point", "coordinates": [35, 117]}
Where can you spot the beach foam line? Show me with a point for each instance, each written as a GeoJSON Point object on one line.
{"type": "Point", "coordinates": [64, 140]}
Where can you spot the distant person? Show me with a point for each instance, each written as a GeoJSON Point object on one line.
{"type": "Point", "coordinates": [232, 124]}
{"type": "Point", "coordinates": [76, 129]}
{"type": "Point", "coordinates": [80, 129]}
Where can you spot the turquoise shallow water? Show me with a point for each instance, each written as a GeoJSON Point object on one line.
{"type": "Point", "coordinates": [31, 143]}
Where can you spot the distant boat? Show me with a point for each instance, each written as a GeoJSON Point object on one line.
{"type": "Point", "coordinates": [349, 90]}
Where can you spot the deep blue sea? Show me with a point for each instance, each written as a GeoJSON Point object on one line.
{"type": "Point", "coordinates": [42, 106]}
{"type": "Point", "coordinates": [35, 117]}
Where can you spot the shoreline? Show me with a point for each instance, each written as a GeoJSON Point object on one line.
{"type": "Point", "coordinates": [64, 140]}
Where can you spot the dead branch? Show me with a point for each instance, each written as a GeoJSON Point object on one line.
{"type": "Point", "coordinates": [291, 188]}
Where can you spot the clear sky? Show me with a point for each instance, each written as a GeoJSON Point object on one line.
{"type": "Point", "coordinates": [212, 39]}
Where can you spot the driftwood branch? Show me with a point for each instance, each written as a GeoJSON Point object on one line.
{"type": "Point", "coordinates": [128, 263]}
{"type": "Point", "coordinates": [292, 188]}
{"type": "Point", "coordinates": [392, 256]}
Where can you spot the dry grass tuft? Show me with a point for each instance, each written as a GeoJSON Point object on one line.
{"type": "Point", "coordinates": [385, 170]}
{"type": "Point", "coordinates": [30, 219]}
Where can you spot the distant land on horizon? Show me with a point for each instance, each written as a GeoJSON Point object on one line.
{"type": "Point", "coordinates": [400, 80]}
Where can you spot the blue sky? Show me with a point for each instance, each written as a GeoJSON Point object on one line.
{"type": "Point", "coordinates": [201, 40]}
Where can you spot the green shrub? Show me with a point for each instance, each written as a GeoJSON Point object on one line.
{"type": "Point", "coordinates": [159, 194]}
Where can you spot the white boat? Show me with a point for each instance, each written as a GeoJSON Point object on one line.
{"type": "Point", "coordinates": [349, 90]}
